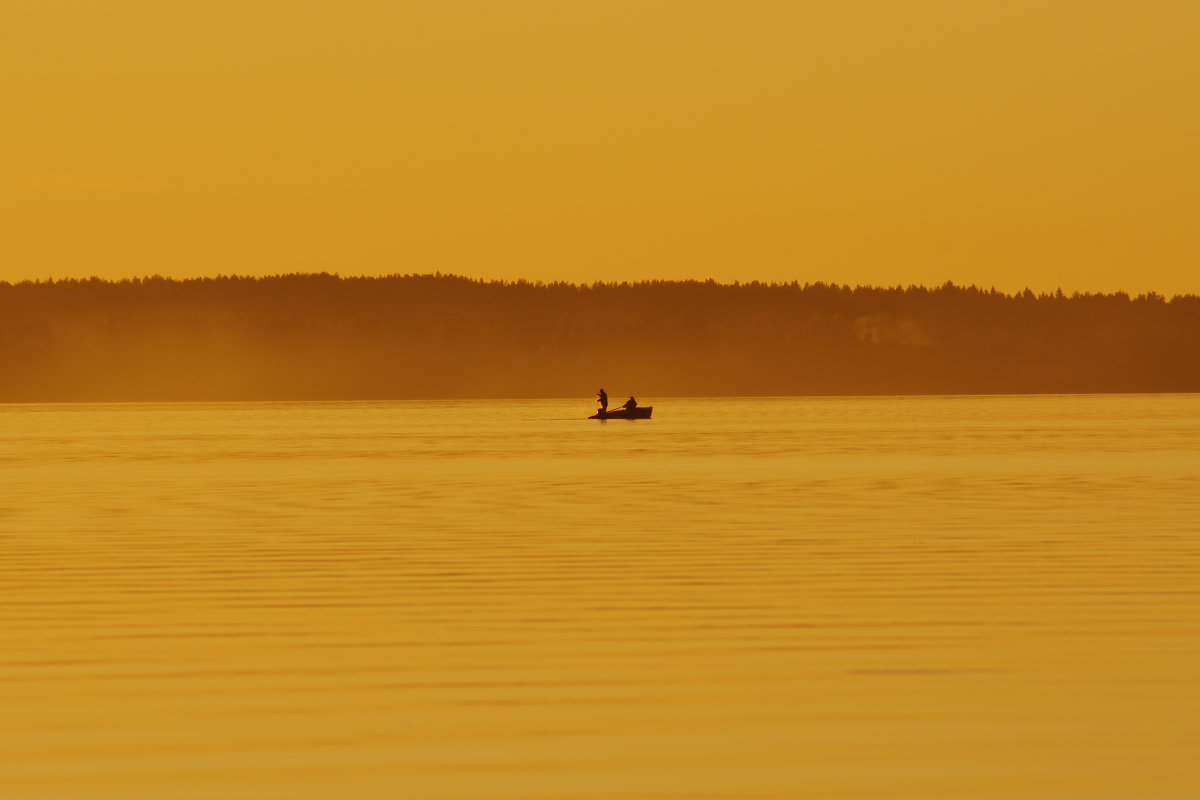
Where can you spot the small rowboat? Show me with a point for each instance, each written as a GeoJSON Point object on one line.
{"type": "Point", "coordinates": [641, 412]}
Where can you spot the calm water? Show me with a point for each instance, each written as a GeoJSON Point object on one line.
{"type": "Point", "coordinates": [750, 598]}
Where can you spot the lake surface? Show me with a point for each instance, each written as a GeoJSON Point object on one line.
{"type": "Point", "coordinates": [927, 597]}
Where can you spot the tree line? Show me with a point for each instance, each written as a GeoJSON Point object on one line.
{"type": "Point", "coordinates": [321, 336]}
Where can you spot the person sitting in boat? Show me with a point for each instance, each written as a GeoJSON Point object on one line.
{"type": "Point", "coordinates": [603, 397]}
{"type": "Point", "coordinates": [630, 404]}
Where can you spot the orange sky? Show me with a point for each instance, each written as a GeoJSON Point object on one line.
{"type": "Point", "coordinates": [1001, 143]}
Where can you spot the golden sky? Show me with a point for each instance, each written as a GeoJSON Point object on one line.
{"type": "Point", "coordinates": [1007, 143]}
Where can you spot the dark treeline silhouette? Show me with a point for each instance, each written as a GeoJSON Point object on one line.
{"type": "Point", "coordinates": [325, 337]}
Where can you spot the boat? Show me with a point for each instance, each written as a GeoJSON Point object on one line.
{"type": "Point", "coordinates": [640, 412]}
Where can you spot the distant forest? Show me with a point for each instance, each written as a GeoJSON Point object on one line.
{"type": "Point", "coordinates": [430, 336]}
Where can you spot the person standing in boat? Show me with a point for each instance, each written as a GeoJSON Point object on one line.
{"type": "Point", "coordinates": [603, 397]}
{"type": "Point", "coordinates": [630, 404]}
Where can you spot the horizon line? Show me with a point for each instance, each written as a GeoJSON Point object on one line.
{"type": "Point", "coordinates": [451, 276]}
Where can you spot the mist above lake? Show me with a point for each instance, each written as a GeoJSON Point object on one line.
{"type": "Point", "coordinates": [320, 337]}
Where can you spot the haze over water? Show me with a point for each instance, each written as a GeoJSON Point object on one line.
{"type": "Point", "coordinates": [741, 598]}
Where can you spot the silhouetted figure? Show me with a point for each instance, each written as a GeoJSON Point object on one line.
{"type": "Point", "coordinates": [630, 404]}
{"type": "Point", "coordinates": [603, 396]}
